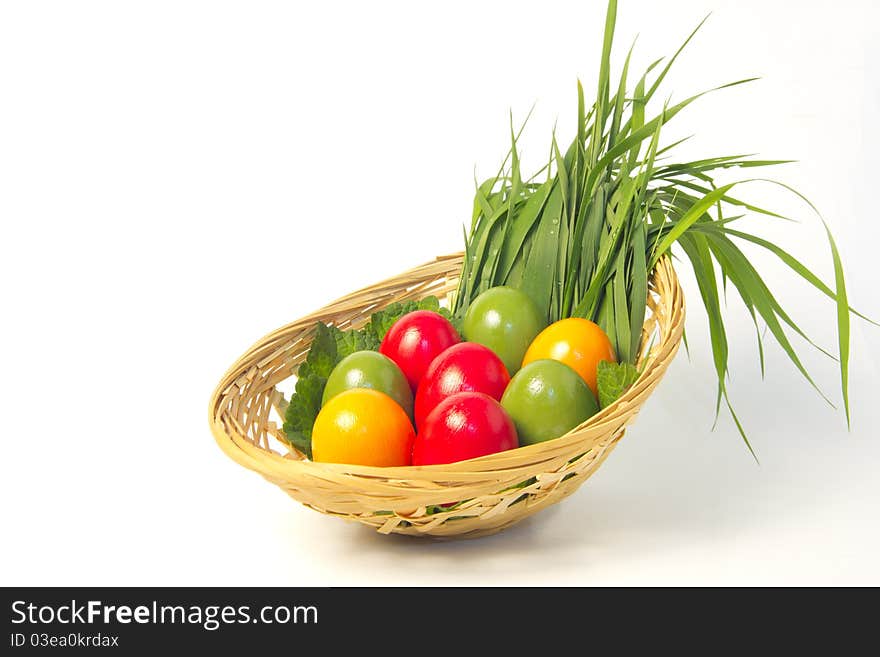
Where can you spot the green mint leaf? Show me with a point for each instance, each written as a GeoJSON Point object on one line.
{"type": "Point", "coordinates": [613, 379]}
{"type": "Point", "coordinates": [299, 418]}
{"type": "Point", "coordinates": [348, 342]}
{"type": "Point", "coordinates": [430, 303]}
{"type": "Point", "coordinates": [455, 320]}
{"type": "Point", "coordinates": [323, 354]}
{"type": "Point", "coordinates": [301, 440]}
{"type": "Point", "coordinates": [382, 320]}
{"type": "Point", "coordinates": [303, 409]}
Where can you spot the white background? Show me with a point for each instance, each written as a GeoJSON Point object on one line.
{"type": "Point", "coordinates": [179, 178]}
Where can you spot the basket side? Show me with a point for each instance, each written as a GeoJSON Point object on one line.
{"type": "Point", "coordinates": [488, 493]}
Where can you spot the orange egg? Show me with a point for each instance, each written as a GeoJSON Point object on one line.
{"type": "Point", "coordinates": [363, 427]}
{"type": "Point", "coordinates": [579, 343]}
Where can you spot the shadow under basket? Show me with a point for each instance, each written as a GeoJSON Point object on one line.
{"type": "Point", "coordinates": [459, 500]}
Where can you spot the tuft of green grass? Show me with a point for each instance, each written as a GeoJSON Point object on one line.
{"type": "Point", "coordinates": [584, 241]}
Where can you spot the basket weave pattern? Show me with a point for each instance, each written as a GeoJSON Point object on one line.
{"type": "Point", "coordinates": [489, 493]}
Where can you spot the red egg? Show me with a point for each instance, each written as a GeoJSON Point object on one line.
{"type": "Point", "coordinates": [464, 367]}
{"type": "Point", "coordinates": [464, 426]}
{"type": "Point", "coordinates": [415, 340]}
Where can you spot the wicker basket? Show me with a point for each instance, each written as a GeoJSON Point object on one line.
{"type": "Point", "coordinates": [493, 491]}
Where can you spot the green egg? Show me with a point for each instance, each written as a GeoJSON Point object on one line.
{"type": "Point", "coordinates": [547, 399]}
{"type": "Point", "coordinates": [505, 320]}
{"type": "Point", "coordinates": [369, 369]}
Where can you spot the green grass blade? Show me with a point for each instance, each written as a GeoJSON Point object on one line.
{"type": "Point", "coordinates": [671, 146]}
{"type": "Point", "coordinates": [514, 277]}
{"type": "Point", "coordinates": [619, 100]}
{"type": "Point", "coordinates": [513, 199]}
{"type": "Point", "coordinates": [750, 286]}
{"type": "Point", "coordinates": [695, 212]}
{"type": "Point", "coordinates": [842, 323]}
{"type": "Point", "coordinates": [482, 206]}
{"type": "Point", "coordinates": [562, 177]}
{"type": "Point", "coordinates": [639, 100]}
{"type": "Point", "coordinates": [540, 269]}
{"type": "Point", "coordinates": [592, 235]}
{"type": "Point", "coordinates": [562, 231]}
{"type": "Point", "coordinates": [616, 216]}
{"type": "Point", "coordinates": [843, 327]}
{"type": "Point", "coordinates": [603, 85]}
{"type": "Point", "coordinates": [713, 163]}
{"type": "Point", "coordinates": [697, 251]}
{"type": "Point", "coordinates": [739, 427]}
{"type": "Point", "coordinates": [793, 263]}
{"type": "Point", "coordinates": [639, 287]}
{"type": "Point", "coordinates": [481, 251]}
{"type": "Point", "coordinates": [578, 146]}
{"type": "Point", "coordinates": [521, 224]}
{"type": "Point", "coordinates": [728, 199]}
{"type": "Point", "coordinates": [668, 66]}
{"type": "Point", "coordinates": [646, 131]}
{"type": "Point", "coordinates": [623, 338]}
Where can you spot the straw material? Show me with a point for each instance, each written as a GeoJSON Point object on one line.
{"type": "Point", "coordinates": [495, 491]}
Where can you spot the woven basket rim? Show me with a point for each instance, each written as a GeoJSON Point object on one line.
{"type": "Point", "coordinates": [274, 465]}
